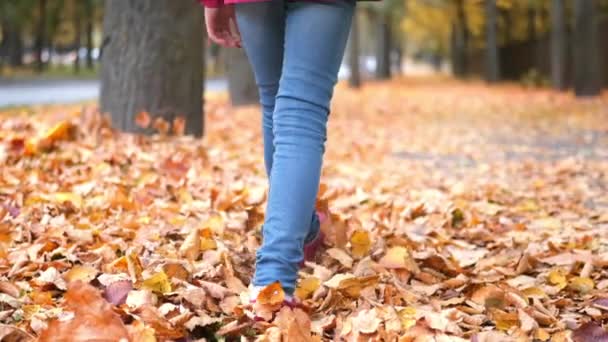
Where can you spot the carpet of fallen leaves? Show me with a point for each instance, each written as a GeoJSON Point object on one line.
{"type": "Point", "coordinates": [458, 212]}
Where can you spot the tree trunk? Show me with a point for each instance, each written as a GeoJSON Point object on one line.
{"type": "Point", "coordinates": [587, 76]}
{"type": "Point", "coordinates": [241, 83]}
{"type": "Point", "coordinates": [152, 61]}
{"type": "Point", "coordinates": [558, 45]}
{"type": "Point", "coordinates": [353, 54]}
{"type": "Point", "coordinates": [13, 44]}
{"type": "Point", "coordinates": [89, 19]}
{"type": "Point", "coordinates": [77, 34]}
{"type": "Point", "coordinates": [460, 42]}
{"type": "Point", "coordinates": [383, 59]}
{"type": "Point", "coordinates": [41, 33]}
{"type": "Point", "coordinates": [492, 58]}
{"type": "Point", "coordinates": [532, 35]}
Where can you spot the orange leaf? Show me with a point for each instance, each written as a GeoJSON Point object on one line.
{"type": "Point", "coordinates": [93, 319]}
{"type": "Point", "coordinates": [143, 119]}
{"type": "Point", "coordinates": [272, 294]}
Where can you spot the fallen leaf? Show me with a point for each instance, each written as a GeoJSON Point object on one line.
{"type": "Point", "coordinates": [272, 294]}
{"type": "Point", "coordinates": [306, 287]}
{"type": "Point", "coordinates": [191, 247]}
{"type": "Point", "coordinates": [590, 332]}
{"type": "Point", "coordinates": [366, 321]}
{"type": "Point", "coordinates": [340, 255]}
{"type": "Point", "coordinates": [93, 318]}
{"type": "Point", "coordinates": [158, 282]}
{"type": "Point", "coordinates": [117, 292]}
{"type": "Point", "coordinates": [581, 285]}
{"type": "Point", "coordinates": [80, 272]}
{"type": "Point", "coordinates": [360, 243]}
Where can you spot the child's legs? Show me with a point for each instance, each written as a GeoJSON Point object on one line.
{"type": "Point", "coordinates": [262, 27]}
{"type": "Point", "coordinates": [315, 38]}
{"type": "Point", "coordinates": [262, 31]}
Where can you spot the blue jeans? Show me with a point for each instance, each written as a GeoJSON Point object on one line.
{"type": "Point", "coordinates": [295, 50]}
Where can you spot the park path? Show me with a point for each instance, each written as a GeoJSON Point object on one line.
{"type": "Point", "coordinates": [37, 92]}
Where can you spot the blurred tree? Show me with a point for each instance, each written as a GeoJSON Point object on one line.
{"type": "Point", "coordinates": [460, 40]}
{"type": "Point", "coordinates": [152, 61]}
{"type": "Point", "coordinates": [587, 78]}
{"type": "Point", "coordinates": [78, 9]}
{"type": "Point", "coordinates": [492, 57]}
{"type": "Point", "coordinates": [558, 44]}
{"type": "Point", "coordinates": [41, 34]}
{"type": "Point", "coordinates": [89, 17]}
{"type": "Point", "coordinates": [241, 82]}
{"type": "Point", "coordinates": [353, 53]}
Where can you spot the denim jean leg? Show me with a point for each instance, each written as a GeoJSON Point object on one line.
{"type": "Point", "coordinates": [315, 38]}
{"type": "Point", "coordinates": [262, 27]}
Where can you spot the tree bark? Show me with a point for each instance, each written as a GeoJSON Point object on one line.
{"type": "Point", "coordinates": [460, 42]}
{"type": "Point", "coordinates": [89, 20]}
{"type": "Point", "coordinates": [13, 44]}
{"type": "Point", "coordinates": [241, 82]}
{"type": "Point", "coordinates": [532, 35]}
{"type": "Point", "coordinates": [77, 35]}
{"type": "Point", "coordinates": [353, 54]}
{"type": "Point", "coordinates": [587, 76]}
{"type": "Point", "coordinates": [492, 57]}
{"type": "Point", "coordinates": [152, 61]}
{"type": "Point", "coordinates": [41, 33]}
{"type": "Point", "coordinates": [558, 45]}
{"type": "Point", "coordinates": [383, 59]}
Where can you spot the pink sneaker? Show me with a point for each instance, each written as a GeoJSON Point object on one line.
{"type": "Point", "coordinates": [312, 248]}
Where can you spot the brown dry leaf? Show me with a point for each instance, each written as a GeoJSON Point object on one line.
{"type": "Point", "coordinates": [176, 270]}
{"type": "Point", "coordinates": [294, 324]}
{"type": "Point", "coordinates": [82, 273]}
{"type": "Point", "coordinates": [272, 294]}
{"type": "Point", "coordinates": [163, 328]}
{"type": "Point", "coordinates": [10, 289]}
{"type": "Point", "coordinates": [360, 243]}
{"type": "Point", "coordinates": [93, 318]}
{"type": "Point", "coordinates": [526, 322]}
{"type": "Point", "coordinates": [340, 255]}
{"type": "Point", "coordinates": [10, 333]}
{"type": "Point", "coordinates": [366, 321]}
{"type": "Point", "coordinates": [489, 296]}
{"type": "Point", "coordinates": [191, 248]}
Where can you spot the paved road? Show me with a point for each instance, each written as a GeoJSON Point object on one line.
{"type": "Point", "coordinates": [16, 93]}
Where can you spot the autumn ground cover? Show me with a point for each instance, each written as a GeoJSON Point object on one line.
{"type": "Point", "coordinates": [459, 212]}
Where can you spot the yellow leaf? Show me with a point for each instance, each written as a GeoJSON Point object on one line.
{"type": "Point", "coordinates": [398, 258]}
{"type": "Point", "coordinates": [62, 197]}
{"type": "Point", "coordinates": [407, 316]}
{"type": "Point", "coordinates": [307, 287]}
{"type": "Point", "coordinates": [191, 247]}
{"type": "Point", "coordinates": [272, 294]}
{"type": "Point", "coordinates": [159, 283]}
{"type": "Point", "coordinates": [582, 285]}
{"type": "Point", "coordinates": [542, 334]}
{"type": "Point", "coordinates": [534, 292]}
{"type": "Point", "coordinates": [505, 320]}
{"type": "Point", "coordinates": [360, 243]}
{"type": "Point", "coordinates": [557, 277]}
{"type": "Point", "coordinates": [61, 131]}
{"type": "Point", "coordinates": [215, 223]}
{"type": "Point", "coordinates": [207, 242]}
{"type": "Point", "coordinates": [83, 273]}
